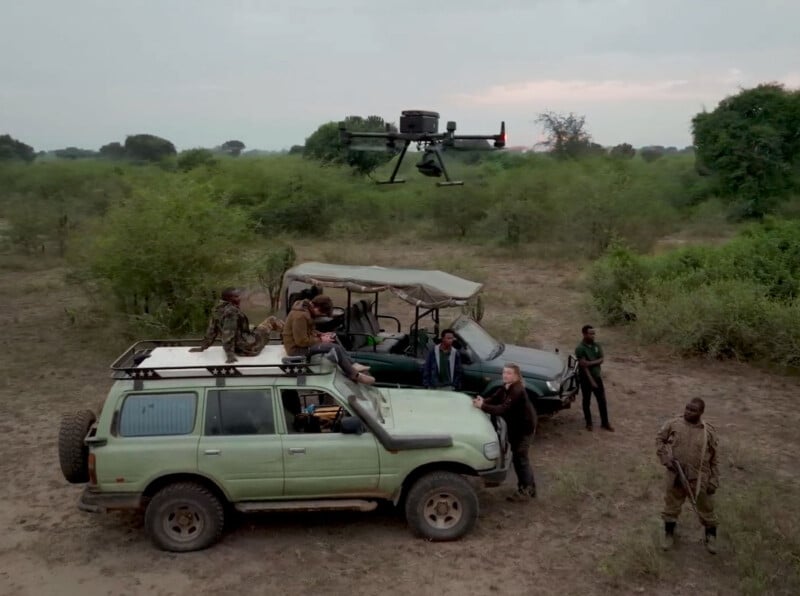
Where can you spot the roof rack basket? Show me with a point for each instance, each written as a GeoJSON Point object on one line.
{"type": "Point", "coordinates": [132, 364]}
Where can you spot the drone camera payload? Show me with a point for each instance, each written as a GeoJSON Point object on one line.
{"type": "Point", "coordinates": [422, 127]}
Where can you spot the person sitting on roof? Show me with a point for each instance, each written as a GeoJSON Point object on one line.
{"type": "Point", "coordinates": [300, 338]}
{"type": "Point", "coordinates": [231, 324]}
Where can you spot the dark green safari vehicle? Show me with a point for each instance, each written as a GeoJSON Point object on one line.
{"type": "Point", "coordinates": [396, 355]}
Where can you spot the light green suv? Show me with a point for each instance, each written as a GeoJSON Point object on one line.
{"type": "Point", "coordinates": [187, 438]}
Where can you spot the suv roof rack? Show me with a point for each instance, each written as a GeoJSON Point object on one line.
{"type": "Point", "coordinates": [170, 358]}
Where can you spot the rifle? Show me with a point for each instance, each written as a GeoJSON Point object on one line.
{"type": "Point", "coordinates": [687, 487]}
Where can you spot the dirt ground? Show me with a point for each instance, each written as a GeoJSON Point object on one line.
{"type": "Point", "coordinates": [599, 493]}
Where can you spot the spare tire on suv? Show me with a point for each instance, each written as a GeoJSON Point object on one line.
{"type": "Point", "coordinates": [73, 454]}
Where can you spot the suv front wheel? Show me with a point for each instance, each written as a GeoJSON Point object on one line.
{"type": "Point", "coordinates": [184, 517]}
{"type": "Point", "coordinates": [441, 506]}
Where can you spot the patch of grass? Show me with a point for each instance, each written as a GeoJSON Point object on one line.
{"type": "Point", "coordinates": [515, 329]}
{"type": "Point", "coordinates": [574, 483]}
{"type": "Point", "coordinates": [637, 556]}
{"type": "Point", "coordinates": [761, 522]}
{"type": "Point", "coordinates": [16, 263]}
{"type": "Point", "coordinates": [459, 266]}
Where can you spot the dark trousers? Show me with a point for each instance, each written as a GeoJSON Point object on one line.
{"type": "Point", "coordinates": [600, 394]}
{"type": "Point", "coordinates": [342, 357]}
{"type": "Point", "coordinates": [522, 461]}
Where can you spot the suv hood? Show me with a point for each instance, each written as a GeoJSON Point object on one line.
{"type": "Point", "coordinates": [419, 411]}
{"type": "Point", "coordinates": [532, 362]}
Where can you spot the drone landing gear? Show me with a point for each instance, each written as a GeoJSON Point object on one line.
{"type": "Point", "coordinates": [391, 179]}
{"type": "Point", "coordinates": [432, 164]}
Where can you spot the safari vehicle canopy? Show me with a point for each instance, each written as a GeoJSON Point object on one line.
{"type": "Point", "coordinates": [422, 288]}
{"type": "Point", "coordinates": [396, 357]}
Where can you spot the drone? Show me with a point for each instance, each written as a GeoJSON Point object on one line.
{"type": "Point", "coordinates": [420, 127]}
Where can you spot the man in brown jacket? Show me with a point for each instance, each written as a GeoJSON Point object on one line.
{"type": "Point", "coordinates": [300, 338]}
{"type": "Point", "coordinates": [692, 443]}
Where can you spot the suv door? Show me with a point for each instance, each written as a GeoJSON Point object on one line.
{"type": "Point", "coordinates": [240, 447]}
{"type": "Point", "coordinates": [152, 433]}
{"type": "Point", "coordinates": [318, 459]}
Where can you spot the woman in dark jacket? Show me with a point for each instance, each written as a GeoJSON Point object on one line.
{"type": "Point", "coordinates": [511, 402]}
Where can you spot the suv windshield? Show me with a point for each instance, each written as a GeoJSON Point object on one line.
{"type": "Point", "coordinates": [370, 397]}
{"type": "Point", "coordinates": [476, 337]}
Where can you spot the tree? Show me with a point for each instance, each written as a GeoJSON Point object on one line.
{"type": "Point", "coordinates": [112, 151]}
{"type": "Point", "coordinates": [623, 151]}
{"type": "Point", "coordinates": [12, 149]}
{"type": "Point", "coordinates": [195, 158]}
{"type": "Point", "coordinates": [652, 153]}
{"type": "Point", "coordinates": [269, 270]}
{"type": "Point", "coordinates": [566, 135]}
{"type": "Point", "coordinates": [297, 150]}
{"type": "Point", "coordinates": [750, 142]}
{"type": "Point", "coordinates": [147, 147]}
{"type": "Point", "coordinates": [233, 148]}
{"type": "Point", "coordinates": [74, 153]}
{"type": "Point", "coordinates": [165, 252]}
{"type": "Point", "coordinates": [325, 144]}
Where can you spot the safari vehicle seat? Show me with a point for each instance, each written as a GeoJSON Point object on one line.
{"type": "Point", "coordinates": [363, 321]}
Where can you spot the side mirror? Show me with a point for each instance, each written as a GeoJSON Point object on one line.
{"type": "Point", "coordinates": [351, 425]}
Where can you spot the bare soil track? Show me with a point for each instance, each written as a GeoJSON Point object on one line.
{"type": "Point", "coordinates": [596, 490]}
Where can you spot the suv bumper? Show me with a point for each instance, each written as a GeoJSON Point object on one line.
{"type": "Point", "coordinates": [497, 475]}
{"type": "Point", "coordinates": [93, 501]}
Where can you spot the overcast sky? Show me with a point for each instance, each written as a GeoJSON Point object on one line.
{"type": "Point", "coordinates": [268, 72]}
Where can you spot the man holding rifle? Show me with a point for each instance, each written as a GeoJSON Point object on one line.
{"type": "Point", "coordinates": [687, 447]}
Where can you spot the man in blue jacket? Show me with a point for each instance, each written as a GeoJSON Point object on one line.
{"type": "Point", "coordinates": [442, 368]}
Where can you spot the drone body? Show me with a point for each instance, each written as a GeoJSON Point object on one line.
{"type": "Point", "coordinates": [421, 127]}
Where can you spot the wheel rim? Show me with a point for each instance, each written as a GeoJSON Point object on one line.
{"type": "Point", "coordinates": [183, 523]}
{"type": "Point", "coordinates": [443, 510]}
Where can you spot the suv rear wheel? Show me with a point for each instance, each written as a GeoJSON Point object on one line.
{"type": "Point", "coordinates": [73, 454]}
{"type": "Point", "coordinates": [441, 506]}
{"type": "Point", "coordinates": [184, 517]}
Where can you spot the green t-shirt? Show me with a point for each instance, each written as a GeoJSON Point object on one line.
{"type": "Point", "coordinates": [591, 351]}
{"type": "Point", "coordinates": [444, 367]}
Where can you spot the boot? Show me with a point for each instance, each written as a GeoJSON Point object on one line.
{"type": "Point", "coordinates": [522, 494]}
{"type": "Point", "coordinates": [668, 541]}
{"type": "Point", "coordinates": [711, 540]}
{"type": "Point", "coordinates": [364, 379]}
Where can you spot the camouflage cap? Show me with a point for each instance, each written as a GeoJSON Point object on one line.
{"type": "Point", "coordinates": [324, 303]}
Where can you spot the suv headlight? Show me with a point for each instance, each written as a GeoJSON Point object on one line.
{"type": "Point", "coordinates": [554, 386]}
{"type": "Point", "coordinates": [491, 450]}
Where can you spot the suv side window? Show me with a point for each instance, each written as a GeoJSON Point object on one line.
{"type": "Point", "coordinates": [239, 412]}
{"type": "Point", "coordinates": [309, 410]}
{"type": "Point", "coordinates": [157, 414]}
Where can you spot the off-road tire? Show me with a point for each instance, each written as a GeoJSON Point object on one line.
{"type": "Point", "coordinates": [458, 501]}
{"type": "Point", "coordinates": [184, 517]}
{"type": "Point", "coordinates": [73, 454]}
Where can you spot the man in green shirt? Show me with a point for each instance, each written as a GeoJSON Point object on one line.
{"type": "Point", "coordinates": [590, 357]}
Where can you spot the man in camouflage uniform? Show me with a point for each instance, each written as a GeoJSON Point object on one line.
{"type": "Point", "coordinates": [231, 324]}
{"type": "Point", "coordinates": [693, 443]}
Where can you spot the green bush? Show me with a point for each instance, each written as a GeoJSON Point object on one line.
{"type": "Point", "coordinates": [739, 300]}
{"type": "Point", "coordinates": [164, 253]}
{"type": "Point", "coordinates": [614, 280]}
